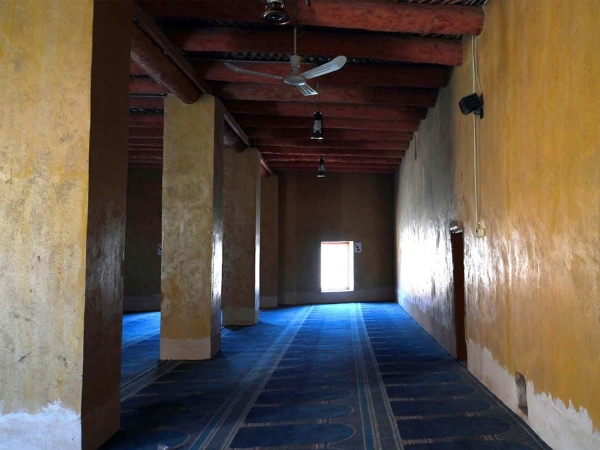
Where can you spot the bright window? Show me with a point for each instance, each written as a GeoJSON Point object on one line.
{"type": "Point", "coordinates": [337, 266]}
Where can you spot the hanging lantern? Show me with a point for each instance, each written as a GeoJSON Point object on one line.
{"type": "Point", "coordinates": [317, 128]}
{"type": "Point", "coordinates": [321, 172]}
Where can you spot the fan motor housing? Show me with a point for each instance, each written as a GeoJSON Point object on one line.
{"type": "Point", "coordinates": [294, 80]}
{"type": "Point", "coordinates": [275, 12]}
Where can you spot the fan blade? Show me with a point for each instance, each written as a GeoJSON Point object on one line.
{"type": "Point", "coordinates": [331, 66]}
{"type": "Point", "coordinates": [306, 90]}
{"type": "Point", "coordinates": [251, 72]}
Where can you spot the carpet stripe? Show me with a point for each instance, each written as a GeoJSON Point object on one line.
{"type": "Point", "coordinates": [208, 439]}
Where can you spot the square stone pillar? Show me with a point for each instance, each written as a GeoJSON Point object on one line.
{"type": "Point", "coordinates": [269, 224]}
{"type": "Point", "coordinates": [241, 254]}
{"type": "Point", "coordinates": [192, 224]}
{"type": "Point", "coordinates": [64, 96]}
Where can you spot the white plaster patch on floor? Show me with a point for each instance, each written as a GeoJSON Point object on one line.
{"type": "Point", "coordinates": [52, 428]}
{"type": "Point", "coordinates": [560, 427]}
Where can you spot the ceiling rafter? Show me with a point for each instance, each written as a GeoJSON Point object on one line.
{"type": "Point", "coordinates": [374, 15]}
{"type": "Point", "coordinates": [331, 94]}
{"type": "Point", "coordinates": [385, 47]}
{"type": "Point", "coordinates": [155, 63]}
{"type": "Point", "coordinates": [249, 120]}
{"type": "Point", "coordinates": [368, 74]}
{"type": "Point", "coordinates": [304, 109]}
{"type": "Point", "coordinates": [338, 134]}
{"type": "Point", "coordinates": [328, 143]}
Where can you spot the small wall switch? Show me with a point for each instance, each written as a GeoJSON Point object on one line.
{"type": "Point", "coordinates": [480, 231]}
{"type": "Point", "coordinates": [358, 247]}
{"type": "Point", "coordinates": [159, 252]}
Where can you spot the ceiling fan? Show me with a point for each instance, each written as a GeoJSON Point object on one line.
{"type": "Point", "coordinates": [296, 78]}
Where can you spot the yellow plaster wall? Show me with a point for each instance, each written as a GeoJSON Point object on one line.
{"type": "Point", "coordinates": [45, 71]}
{"type": "Point", "coordinates": [532, 284]}
{"type": "Point", "coordinates": [342, 206]}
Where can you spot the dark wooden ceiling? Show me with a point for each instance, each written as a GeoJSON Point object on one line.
{"type": "Point", "coordinates": [400, 54]}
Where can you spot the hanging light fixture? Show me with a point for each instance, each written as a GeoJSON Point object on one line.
{"type": "Point", "coordinates": [317, 127]}
{"type": "Point", "coordinates": [321, 172]}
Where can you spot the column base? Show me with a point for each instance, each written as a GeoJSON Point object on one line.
{"type": "Point", "coordinates": [240, 316]}
{"type": "Point", "coordinates": [190, 349]}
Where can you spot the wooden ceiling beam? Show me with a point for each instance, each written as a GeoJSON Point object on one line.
{"type": "Point", "coordinates": [145, 141]}
{"type": "Point", "coordinates": [361, 170]}
{"type": "Point", "coordinates": [429, 76]}
{"type": "Point", "coordinates": [144, 166]}
{"type": "Point", "coordinates": [353, 74]}
{"type": "Point", "coordinates": [397, 17]}
{"type": "Point", "coordinates": [385, 47]}
{"type": "Point", "coordinates": [423, 97]}
{"type": "Point", "coordinates": [146, 120]}
{"type": "Point", "coordinates": [134, 69]}
{"type": "Point", "coordinates": [147, 86]}
{"type": "Point", "coordinates": [135, 132]}
{"type": "Point", "coordinates": [149, 57]}
{"type": "Point", "coordinates": [153, 52]}
{"type": "Point", "coordinates": [147, 102]}
{"type": "Point", "coordinates": [329, 94]}
{"type": "Point", "coordinates": [146, 160]}
{"type": "Point", "coordinates": [150, 152]}
{"type": "Point", "coordinates": [335, 167]}
{"type": "Point", "coordinates": [248, 120]}
{"type": "Point", "coordinates": [173, 55]}
{"type": "Point", "coordinates": [276, 152]}
{"type": "Point", "coordinates": [156, 144]}
{"type": "Point", "coordinates": [280, 108]}
{"type": "Point", "coordinates": [324, 152]}
{"type": "Point", "coordinates": [335, 134]}
{"type": "Point", "coordinates": [334, 159]}
{"type": "Point", "coordinates": [425, 76]}
{"type": "Point", "coordinates": [308, 143]}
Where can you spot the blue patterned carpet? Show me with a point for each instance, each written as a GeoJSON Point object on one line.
{"type": "Point", "coordinates": [354, 376]}
{"type": "Point", "coordinates": [141, 341]}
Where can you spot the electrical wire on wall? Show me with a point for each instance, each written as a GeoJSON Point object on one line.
{"type": "Point", "coordinates": [480, 231]}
